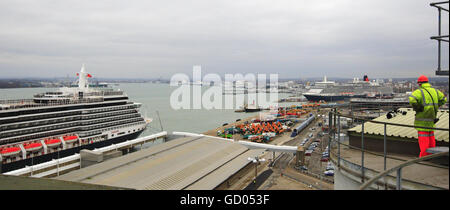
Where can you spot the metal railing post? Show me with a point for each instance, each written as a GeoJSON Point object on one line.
{"type": "Point", "coordinates": [31, 166]}
{"type": "Point", "coordinates": [339, 141]}
{"type": "Point", "coordinates": [334, 132]}
{"type": "Point", "coordinates": [379, 108]}
{"type": "Point", "coordinates": [385, 153]}
{"type": "Point", "coordinates": [399, 178]}
{"type": "Point", "coordinates": [57, 167]}
{"type": "Point", "coordinates": [439, 41]}
{"type": "Point", "coordinates": [399, 172]}
{"type": "Point", "coordinates": [399, 168]}
{"type": "Point", "coordinates": [330, 125]}
{"type": "Point", "coordinates": [362, 153]}
{"type": "Point", "coordinates": [384, 146]}
{"type": "Point", "coordinates": [351, 114]}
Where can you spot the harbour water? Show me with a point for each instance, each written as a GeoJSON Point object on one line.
{"type": "Point", "coordinates": [156, 97]}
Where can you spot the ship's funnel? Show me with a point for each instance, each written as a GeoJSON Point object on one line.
{"type": "Point", "coordinates": [366, 79]}
{"type": "Point", "coordinates": [82, 78]}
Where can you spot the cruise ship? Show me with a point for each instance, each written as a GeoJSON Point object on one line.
{"type": "Point", "coordinates": [58, 124]}
{"type": "Point", "coordinates": [330, 91]}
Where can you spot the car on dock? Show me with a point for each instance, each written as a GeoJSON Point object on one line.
{"type": "Point", "coordinates": [325, 156]}
{"type": "Point", "coordinates": [329, 173]}
{"type": "Point", "coordinates": [324, 159]}
{"type": "Point", "coordinates": [315, 144]}
{"type": "Point", "coordinates": [329, 166]}
{"type": "Point", "coordinates": [303, 168]}
{"type": "Point", "coordinates": [304, 142]}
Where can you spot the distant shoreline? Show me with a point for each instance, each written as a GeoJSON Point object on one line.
{"type": "Point", "coordinates": [10, 84]}
{"type": "Point", "coordinates": [6, 83]}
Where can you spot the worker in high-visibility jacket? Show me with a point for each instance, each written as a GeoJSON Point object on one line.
{"type": "Point", "coordinates": [426, 101]}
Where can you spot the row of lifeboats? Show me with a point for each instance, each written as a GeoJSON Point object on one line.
{"type": "Point", "coordinates": [36, 146]}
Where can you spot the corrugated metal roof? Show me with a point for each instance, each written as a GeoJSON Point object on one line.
{"type": "Point", "coordinates": [222, 173]}
{"type": "Point", "coordinates": [174, 165]}
{"type": "Point", "coordinates": [405, 132]}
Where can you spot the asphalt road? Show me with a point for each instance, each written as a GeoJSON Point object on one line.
{"type": "Point", "coordinates": [260, 179]}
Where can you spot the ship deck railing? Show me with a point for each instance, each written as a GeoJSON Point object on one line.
{"type": "Point", "coordinates": [27, 103]}
{"type": "Point", "coordinates": [112, 93]}
{"type": "Point", "coordinates": [79, 122]}
{"type": "Point", "coordinates": [80, 128]}
{"type": "Point", "coordinates": [87, 133]}
{"type": "Point", "coordinates": [59, 166]}
{"type": "Point", "coordinates": [39, 139]}
{"type": "Point", "coordinates": [85, 112]}
{"type": "Point", "coordinates": [69, 133]}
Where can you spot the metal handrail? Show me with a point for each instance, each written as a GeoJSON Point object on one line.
{"type": "Point", "coordinates": [440, 37]}
{"type": "Point", "coordinates": [399, 167]}
{"type": "Point", "coordinates": [332, 126]}
{"type": "Point", "coordinates": [388, 123]}
{"type": "Point", "coordinates": [435, 4]}
{"type": "Point", "coordinates": [390, 157]}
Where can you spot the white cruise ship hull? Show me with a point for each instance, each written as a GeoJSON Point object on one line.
{"type": "Point", "coordinates": [114, 138]}
{"type": "Point", "coordinates": [59, 123]}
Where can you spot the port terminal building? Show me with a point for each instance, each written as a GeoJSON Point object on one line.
{"type": "Point", "coordinates": [375, 104]}
{"type": "Point", "coordinates": [191, 163]}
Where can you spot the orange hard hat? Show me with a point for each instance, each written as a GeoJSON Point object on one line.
{"type": "Point", "coordinates": [422, 79]}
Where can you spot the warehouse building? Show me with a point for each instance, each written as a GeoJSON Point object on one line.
{"type": "Point", "coordinates": [191, 163]}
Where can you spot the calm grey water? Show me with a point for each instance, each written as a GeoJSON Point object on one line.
{"type": "Point", "coordinates": [156, 97]}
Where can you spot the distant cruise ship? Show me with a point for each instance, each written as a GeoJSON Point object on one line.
{"type": "Point", "coordinates": [58, 124]}
{"type": "Point", "coordinates": [330, 91]}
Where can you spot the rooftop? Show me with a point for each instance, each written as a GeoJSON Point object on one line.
{"type": "Point", "coordinates": [183, 163]}
{"type": "Point", "coordinates": [404, 132]}
{"type": "Point", "coordinates": [418, 175]}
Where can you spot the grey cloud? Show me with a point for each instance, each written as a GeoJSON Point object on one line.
{"type": "Point", "coordinates": [159, 38]}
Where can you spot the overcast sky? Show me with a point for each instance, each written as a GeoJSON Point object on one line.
{"type": "Point", "coordinates": [151, 39]}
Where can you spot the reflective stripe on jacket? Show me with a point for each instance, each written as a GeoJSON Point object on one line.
{"type": "Point", "coordinates": [422, 98]}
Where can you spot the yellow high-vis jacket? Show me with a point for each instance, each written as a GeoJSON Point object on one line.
{"type": "Point", "coordinates": [426, 101]}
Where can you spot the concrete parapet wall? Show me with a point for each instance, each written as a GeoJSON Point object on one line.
{"type": "Point", "coordinates": [375, 143]}
{"type": "Point", "coordinates": [348, 177]}
{"type": "Point", "coordinates": [29, 183]}
{"type": "Point", "coordinates": [89, 157]}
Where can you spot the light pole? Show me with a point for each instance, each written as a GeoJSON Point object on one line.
{"type": "Point", "coordinates": [256, 160]}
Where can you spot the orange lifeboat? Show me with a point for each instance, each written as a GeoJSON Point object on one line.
{"type": "Point", "coordinates": [52, 142]}
{"type": "Point", "coordinates": [70, 139]}
{"type": "Point", "coordinates": [32, 147]}
{"type": "Point", "coordinates": [10, 151]}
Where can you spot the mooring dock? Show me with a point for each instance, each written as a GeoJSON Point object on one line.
{"type": "Point", "coordinates": [183, 163]}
